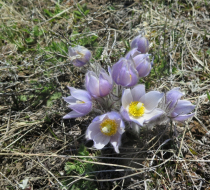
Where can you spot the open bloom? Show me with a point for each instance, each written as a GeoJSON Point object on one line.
{"type": "Point", "coordinates": [79, 102]}
{"type": "Point", "coordinates": [106, 128]}
{"type": "Point", "coordinates": [141, 43]}
{"type": "Point", "coordinates": [79, 55]}
{"type": "Point", "coordinates": [140, 107]}
{"type": "Point", "coordinates": [124, 73]}
{"type": "Point", "coordinates": [175, 108]}
{"type": "Point", "coordinates": [98, 86]}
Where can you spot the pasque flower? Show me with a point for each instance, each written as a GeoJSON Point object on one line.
{"type": "Point", "coordinates": [140, 107]}
{"type": "Point", "coordinates": [142, 62]}
{"type": "Point", "coordinates": [106, 128]}
{"type": "Point", "coordinates": [98, 86]}
{"type": "Point", "coordinates": [79, 55]}
{"type": "Point", "coordinates": [176, 109]}
{"type": "Point", "coordinates": [141, 43]}
{"type": "Point", "coordinates": [132, 53]}
{"type": "Point", "coordinates": [124, 73]}
{"type": "Point", "coordinates": [79, 102]}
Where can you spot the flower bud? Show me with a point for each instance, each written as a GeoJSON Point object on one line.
{"type": "Point", "coordinates": [141, 43]}
{"type": "Point", "coordinates": [143, 64]}
{"type": "Point", "coordinates": [79, 55]}
{"type": "Point", "coordinates": [98, 86]}
{"type": "Point", "coordinates": [124, 73]}
{"type": "Point", "coordinates": [132, 53]}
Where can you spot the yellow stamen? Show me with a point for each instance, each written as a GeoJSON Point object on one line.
{"type": "Point", "coordinates": [136, 109]}
{"type": "Point", "coordinates": [109, 127]}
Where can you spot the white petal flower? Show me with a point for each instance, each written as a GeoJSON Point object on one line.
{"type": "Point", "coordinates": [106, 128]}
{"type": "Point", "coordinates": [140, 107]}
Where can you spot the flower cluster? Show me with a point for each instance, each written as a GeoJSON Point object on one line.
{"type": "Point", "coordinates": [120, 98]}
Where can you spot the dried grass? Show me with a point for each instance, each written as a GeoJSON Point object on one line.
{"type": "Point", "coordinates": [35, 141]}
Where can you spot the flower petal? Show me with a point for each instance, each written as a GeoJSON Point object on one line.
{"type": "Point", "coordinates": [84, 108]}
{"type": "Point", "coordinates": [151, 99]}
{"type": "Point", "coordinates": [138, 120]}
{"type": "Point", "coordinates": [182, 117]}
{"type": "Point", "coordinates": [73, 114]}
{"type": "Point", "coordinates": [78, 63]}
{"type": "Point", "coordinates": [132, 53]}
{"type": "Point", "coordinates": [116, 141]}
{"type": "Point", "coordinates": [71, 89]}
{"type": "Point", "coordinates": [70, 99]}
{"type": "Point", "coordinates": [100, 140]}
{"type": "Point", "coordinates": [92, 130]}
{"type": "Point", "coordinates": [138, 91]}
{"type": "Point", "coordinates": [172, 97]}
{"type": "Point", "coordinates": [124, 78]}
{"type": "Point", "coordinates": [82, 95]}
{"type": "Point", "coordinates": [183, 107]}
{"type": "Point", "coordinates": [106, 76]}
{"type": "Point", "coordinates": [71, 51]}
{"type": "Point", "coordinates": [104, 86]}
{"type": "Point", "coordinates": [133, 74]}
{"type": "Point", "coordinates": [153, 115]}
{"type": "Point", "coordinates": [127, 98]}
{"type": "Point", "coordinates": [113, 115]}
{"type": "Point", "coordinates": [99, 118]}
{"type": "Point", "coordinates": [115, 70]}
{"type": "Point", "coordinates": [124, 113]}
{"type": "Point", "coordinates": [93, 85]}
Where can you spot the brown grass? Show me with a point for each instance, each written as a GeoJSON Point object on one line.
{"type": "Point", "coordinates": [35, 141]}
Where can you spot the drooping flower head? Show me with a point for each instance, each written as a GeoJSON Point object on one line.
{"type": "Point", "coordinates": [140, 107]}
{"type": "Point", "coordinates": [141, 43]}
{"type": "Point", "coordinates": [106, 128]}
{"type": "Point", "coordinates": [124, 73]}
{"type": "Point", "coordinates": [176, 109]}
{"type": "Point", "coordinates": [79, 102]}
{"type": "Point", "coordinates": [79, 55]}
{"type": "Point", "coordinates": [98, 86]}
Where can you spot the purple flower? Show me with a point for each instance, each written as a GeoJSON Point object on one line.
{"type": "Point", "coordinates": [79, 55]}
{"type": "Point", "coordinates": [141, 43]}
{"type": "Point", "coordinates": [98, 86]}
{"type": "Point", "coordinates": [106, 128]}
{"type": "Point", "coordinates": [140, 107]}
{"type": "Point", "coordinates": [177, 109]}
{"type": "Point", "coordinates": [132, 53]}
{"type": "Point", "coordinates": [143, 64]}
{"type": "Point", "coordinates": [80, 103]}
{"type": "Point", "coordinates": [124, 73]}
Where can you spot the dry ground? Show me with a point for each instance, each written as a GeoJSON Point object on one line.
{"type": "Point", "coordinates": [41, 151]}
